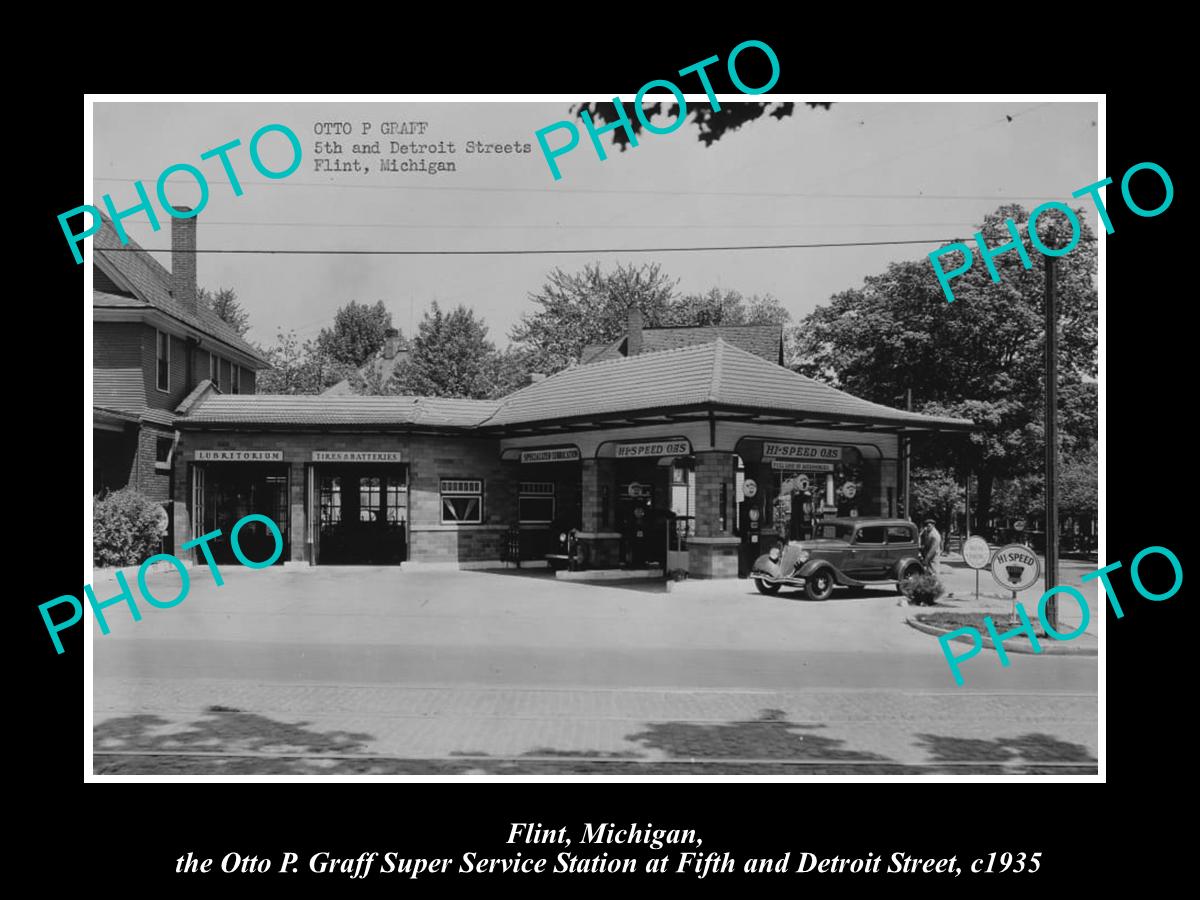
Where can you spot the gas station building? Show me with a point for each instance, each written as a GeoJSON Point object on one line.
{"type": "Point", "coordinates": [670, 458]}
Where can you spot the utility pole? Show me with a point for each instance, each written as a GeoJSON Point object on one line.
{"type": "Point", "coordinates": [1051, 444]}
{"type": "Point", "coordinates": [908, 468]}
{"type": "Point", "coordinates": [967, 509]}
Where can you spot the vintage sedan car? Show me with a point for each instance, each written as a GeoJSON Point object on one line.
{"type": "Point", "coordinates": [563, 547]}
{"type": "Point", "coordinates": [850, 552]}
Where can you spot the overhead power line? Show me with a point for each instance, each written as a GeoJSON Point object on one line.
{"type": "Point", "coordinates": [607, 191]}
{"type": "Point", "coordinates": [585, 250]}
{"type": "Point", "coordinates": [597, 227]}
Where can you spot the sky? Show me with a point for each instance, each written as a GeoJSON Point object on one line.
{"type": "Point", "coordinates": [917, 171]}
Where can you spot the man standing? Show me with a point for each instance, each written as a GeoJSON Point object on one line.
{"type": "Point", "coordinates": [931, 546]}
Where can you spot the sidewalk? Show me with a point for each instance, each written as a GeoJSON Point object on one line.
{"type": "Point", "coordinates": [214, 716]}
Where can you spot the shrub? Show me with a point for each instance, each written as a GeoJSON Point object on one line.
{"type": "Point", "coordinates": [923, 589]}
{"type": "Point", "coordinates": [127, 528]}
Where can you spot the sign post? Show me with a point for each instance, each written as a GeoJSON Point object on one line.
{"type": "Point", "coordinates": [978, 555]}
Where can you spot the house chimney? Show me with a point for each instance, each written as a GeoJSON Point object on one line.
{"type": "Point", "coordinates": [633, 336]}
{"type": "Point", "coordinates": [391, 343]}
{"type": "Point", "coordinates": [183, 260]}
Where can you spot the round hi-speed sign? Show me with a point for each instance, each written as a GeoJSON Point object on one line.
{"type": "Point", "coordinates": [749, 487]}
{"type": "Point", "coordinates": [1016, 567]}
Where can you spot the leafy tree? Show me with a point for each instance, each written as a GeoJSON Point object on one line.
{"type": "Point", "coordinates": [592, 307]}
{"type": "Point", "coordinates": [507, 372]}
{"type": "Point", "coordinates": [451, 357]}
{"type": "Point", "coordinates": [1020, 497]}
{"type": "Point", "coordinates": [371, 380]}
{"type": "Point", "coordinates": [225, 304]}
{"type": "Point", "coordinates": [711, 126]}
{"type": "Point", "coordinates": [936, 494]}
{"type": "Point", "coordinates": [357, 334]}
{"type": "Point", "coordinates": [298, 368]}
{"type": "Point", "coordinates": [1077, 482]}
{"type": "Point", "coordinates": [981, 357]}
{"type": "Point", "coordinates": [726, 307]}
{"type": "Point", "coordinates": [588, 307]}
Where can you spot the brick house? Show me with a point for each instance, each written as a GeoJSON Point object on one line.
{"type": "Point", "coordinates": [152, 346]}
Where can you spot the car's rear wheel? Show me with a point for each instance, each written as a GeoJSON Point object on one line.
{"type": "Point", "coordinates": [764, 588]}
{"type": "Point", "coordinates": [910, 571]}
{"type": "Point", "coordinates": [819, 585]}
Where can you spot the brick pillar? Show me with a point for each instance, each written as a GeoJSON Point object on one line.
{"type": "Point", "coordinates": [596, 532]}
{"type": "Point", "coordinates": [713, 551]}
{"type": "Point", "coordinates": [592, 479]}
{"type": "Point", "coordinates": [181, 511]}
{"type": "Point", "coordinates": [298, 523]}
{"type": "Point", "coordinates": [713, 469]}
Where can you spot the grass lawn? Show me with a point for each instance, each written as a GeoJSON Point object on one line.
{"type": "Point", "coordinates": [953, 620]}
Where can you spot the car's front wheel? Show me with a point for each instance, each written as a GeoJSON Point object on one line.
{"type": "Point", "coordinates": [819, 585]}
{"type": "Point", "coordinates": [764, 588]}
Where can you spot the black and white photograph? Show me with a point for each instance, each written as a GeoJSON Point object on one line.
{"type": "Point", "coordinates": [745, 435]}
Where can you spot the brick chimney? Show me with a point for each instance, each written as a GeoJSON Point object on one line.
{"type": "Point", "coordinates": [633, 332]}
{"type": "Point", "coordinates": [391, 343]}
{"type": "Point", "coordinates": [183, 260]}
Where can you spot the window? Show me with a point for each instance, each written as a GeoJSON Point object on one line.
{"type": "Point", "coordinates": [163, 361]}
{"type": "Point", "coordinates": [900, 534]}
{"type": "Point", "coordinates": [331, 501]}
{"type": "Point", "coordinates": [872, 534]}
{"type": "Point", "coordinates": [397, 501]}
{"type": "Point", "coordinates": [682, 491]}
{"type": "Point", "coordinates": [536, 502]}
{"type": "Point", "coordinates": [162, 454]}
{"type": "Point", "coordinates": [368, 499]}
{"type": "Point", "coordinates": [462, 501]}
{"type": "Point", "coordinates": [235, 378]}
{"type": "Point", "coordinates": [214, 369]}
{"type": "Point", "coordinates": [836, 530]}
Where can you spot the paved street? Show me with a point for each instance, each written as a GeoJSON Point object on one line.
{"type": "Point", "coordinates": [377, 670]}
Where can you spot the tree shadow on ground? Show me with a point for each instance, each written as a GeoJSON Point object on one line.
{"type": "Point", "coordinates": [1030, 748]}
{"type": "Point", "coordinates": [770, 736]}
{"type": "Point", "coordinates": [767, 744]}
{"type": "Point", "coordinates": [223, 729]}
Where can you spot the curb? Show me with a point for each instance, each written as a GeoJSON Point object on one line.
{"type": "Point", "coordinates": [1060, 648]}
